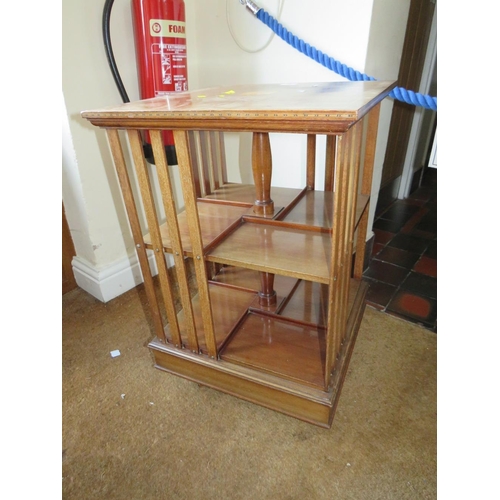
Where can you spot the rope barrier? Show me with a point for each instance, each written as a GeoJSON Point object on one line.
{"type": "Point", "coordinates": [399, 93]}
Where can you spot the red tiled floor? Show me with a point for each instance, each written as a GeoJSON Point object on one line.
{"type": "Point", "coordinates": [410, 243]}
{"type": "Point", "coordinates": [422, 234]}
{"type": "Point", "coordinates": [386, 273]}
{"type": "Point", "coordinates": [398, 257]}
{"type": "Point", "coordinates": [388, 225]}
{"type": "Point", "coordinates": [377, 247]}
{"type": "Point", "coordinates": [402, 273]}
{"type": "Point", "coordinates": [379, 294]}
{"type": "Point", "coordinates": [420, 284]}
{"type": "Point", "coordinates": [417, 217]}
{"type": "Point", "coordinates": [408, 305]}
{"type": "Point", "coordinates": [383, 237]}
{"type": "Point", "coordinates": [427, 266]}
{"type": "Point", "coordinates": [432, 250]}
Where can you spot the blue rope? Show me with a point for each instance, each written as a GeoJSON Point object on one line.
{"type": "Point", "coordinates": [401, 94]}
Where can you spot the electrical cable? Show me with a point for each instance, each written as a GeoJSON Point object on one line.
{"type": "Point", "coordinates": [238, 43]}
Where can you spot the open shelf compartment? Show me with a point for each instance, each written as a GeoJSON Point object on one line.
{"type": "Point", "coordinates": [215, 220]}
{"type": "Point", "coordinates": [279, 346]}
{"type": "Point", "coordinates": [228, 307]}
{"type": "Point", "coordinates": [277, 250]}
{"type": "Point", "coordinates": [315, 209]}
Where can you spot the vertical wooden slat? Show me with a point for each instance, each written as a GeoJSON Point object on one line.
{"type": "Point", "coordinates": [331, 145]}
{"type": "Point", "coordinates": [222, 156]}
{"type": "Point", "coordinates": [184, 161]}
{"type": "Point", "coordinates": [366, 183]}
{"type": "Point", "coordinates": [361, 244]}
{"type": "Point", "coordinates": [344, 271]}
{"type": "Point", "coordinates": [354, 160]}
{"type": "Point", "coordinates": [370, 148]}
{"type": "Point", "coordinates": [133, 217]}
{"type": "Point", "coordinates": [154, 230]}
{"type": "Point", "coordinates": [175, 237]}
{"type": "Point", "coordinates": [216, 160]}
{"type": "Point", "coordinates": [206, 162]}
{"type": "Point", "coordinates": [338, 226]}
{"type": "Point", "coordinates": [194, 141]}
{"type": "Point", "coordinates": [308, 295]}
{"type": "Point", "coordinates": [311, 161]}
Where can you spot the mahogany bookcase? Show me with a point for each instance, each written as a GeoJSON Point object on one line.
{"type": "Point", "coordinates": [272, 305]}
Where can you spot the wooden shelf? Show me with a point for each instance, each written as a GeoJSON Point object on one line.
{"type": "Point", "coordinates": [277, 250]}
{"type": "Point", "coordinates": [220, 212]}
{"type": "Point", "coordinates": [228, 307]}
{"type": "Point", "coordinates": [215, 220]}
{"type": "Point", "coordinates": [315, 209]}
{"type": "Point", "coordinates": [309, 302]}
{"type": "Point", "coordinates": [281, 345]}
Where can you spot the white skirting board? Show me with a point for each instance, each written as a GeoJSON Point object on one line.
{"type": "Point", "coordinates": [110, 282]}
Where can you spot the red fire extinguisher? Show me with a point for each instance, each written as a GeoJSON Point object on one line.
{"type": "Point", "coordinates": [160, 43]}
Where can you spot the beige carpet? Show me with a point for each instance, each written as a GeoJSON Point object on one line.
{"type": "Point", "coordinates": [132, 432]}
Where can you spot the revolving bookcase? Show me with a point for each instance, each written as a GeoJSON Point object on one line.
{"type": "Point", "coordinates": [272, 307]}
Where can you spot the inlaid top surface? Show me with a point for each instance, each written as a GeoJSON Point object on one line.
{"type": "Point", "coordinates": [300, 102]}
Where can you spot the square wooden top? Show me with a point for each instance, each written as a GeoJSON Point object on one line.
{"type": "Point", "coordinates": [301, 107]}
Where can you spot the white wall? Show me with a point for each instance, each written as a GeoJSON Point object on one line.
{"type": "Point", "coordinates": [90, 191]}
{"type": "Point", "coordinates": [324, 24]}
{"type": "Point", "coordinates": [385, 48]}
{"type": "Point", "coordinates": [346, 31]}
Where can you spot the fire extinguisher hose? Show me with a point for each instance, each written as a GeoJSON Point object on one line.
{"type": "Point", "coordinates": [106, 16]}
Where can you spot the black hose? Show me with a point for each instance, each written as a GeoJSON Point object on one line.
{"type": "Point", "coordinates": [148, 151]}
{"type": "Point", "coordinates": [106, 15]}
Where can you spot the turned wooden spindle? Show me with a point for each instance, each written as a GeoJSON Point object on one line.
{"type": "Point", "coordinates": [262, 167]}
{"type": "Point", "coordinates": [267, 295]}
